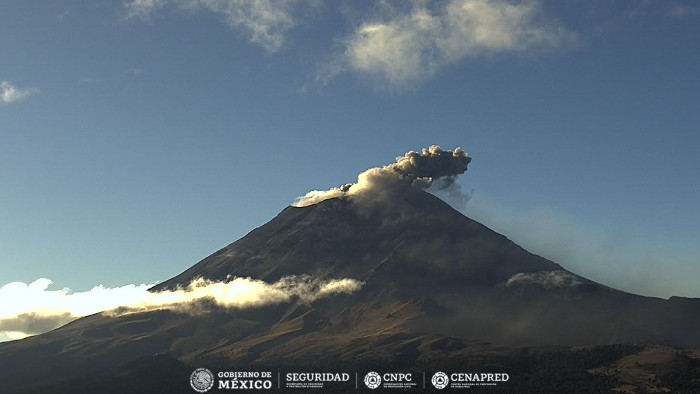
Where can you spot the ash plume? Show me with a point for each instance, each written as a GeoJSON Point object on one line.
{"type": "Point", "coordinates": [431, 167]}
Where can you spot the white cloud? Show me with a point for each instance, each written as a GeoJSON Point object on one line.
{"type": "Point", "coordinates": [266, 21]}
{"type": "Point", "coordinates": [34, 308]}
{"type": "Point", "coordinates": [142, 8]}
{"type": "Point", "coordinates": [546, 279]}
{"type": "Point", "coordinates": [11, 335]}
{"type": "Point", "coordinates": [86, 80]}
{"type": "Point", "coordinates": [410, 46]}
{"type": "Point", "coordinates": [62, 16]}
{"type": "Point", "coordinates": [10, 94]}
{"type": "Point", "coordinates": [135, 71]}
{"type": "Point", "coordinates": [684, 11]}
{"type": "Point", "coordinates": [409, 42]}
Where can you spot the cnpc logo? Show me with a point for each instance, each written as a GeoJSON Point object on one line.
{"type": "Point", "coordinates": [440, 380]}
{"type": "Point", "coordinates": [373, 379]}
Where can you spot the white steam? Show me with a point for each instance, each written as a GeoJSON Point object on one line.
{"type": "Point", "coordinates": [411, 171]}
{"type": "Point", "coordinates": [28, 309]}
{"type": "Point", "coordinates": [547, 279]}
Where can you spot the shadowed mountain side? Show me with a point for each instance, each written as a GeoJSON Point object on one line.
{"type": "Point", "coordinates": [291, 334]}
{"type": "Point", "coordinates": [418, 241]}
{"type": "Point", "coordinates": [487, 286]}
{"type": "Point", "coordinates": [436, 283]}
{"type": "Point", "coordinates": [159, 373]}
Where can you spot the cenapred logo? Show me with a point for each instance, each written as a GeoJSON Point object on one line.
{"type": "Point", "coordinates": [440, 380]}
{"type": "Point", "coordinates": [373, 380]}
{"type": "Point", "coordinates": [202, 380]}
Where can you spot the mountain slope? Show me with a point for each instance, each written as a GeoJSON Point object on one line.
{"type": "Point", "coordinates": [436, 284]}
{"type": "Point", "coordinates": [416, 237]}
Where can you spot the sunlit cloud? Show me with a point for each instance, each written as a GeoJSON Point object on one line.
{"type": "Point", "coordinates": [397, 43]}
{"type": "Point", "coordinates": [266, 22]}
{"type": "Point", "coordinates": [142, 8]}
{"type": "Point", "coordinates": [409, 46]}
{"type": "Point", "coordinates": [33, 308]}
{"type": "Point", "coordinates": [546, 279]}
{"type": "Point", "coordinates": [10, 94]}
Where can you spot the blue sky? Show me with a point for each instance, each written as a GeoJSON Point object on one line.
{"type": "Point", "coordinates": [138, 137]}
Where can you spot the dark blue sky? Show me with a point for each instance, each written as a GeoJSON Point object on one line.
{"type": "Point", "coordinates": [136, 138]}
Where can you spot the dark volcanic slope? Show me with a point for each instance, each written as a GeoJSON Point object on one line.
{"type": "Point", "coordinates": [419, 247]}
{"type": "Point", "coordinates": [435, 282]}
{"type": "Point", "coordinates": [418, 237]}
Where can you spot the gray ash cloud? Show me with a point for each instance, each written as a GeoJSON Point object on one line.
{"type": "Point", "coordinates": [433, 166]}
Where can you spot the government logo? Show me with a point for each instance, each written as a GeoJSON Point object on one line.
{"type": "Point", "coordinates": [202, 380]}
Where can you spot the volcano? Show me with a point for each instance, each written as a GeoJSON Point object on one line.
{"type": "Point", "coordinates": [437, 286]}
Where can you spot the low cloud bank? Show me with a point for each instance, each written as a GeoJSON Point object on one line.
{"type": "Point", "coordinates": [29, 309]}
